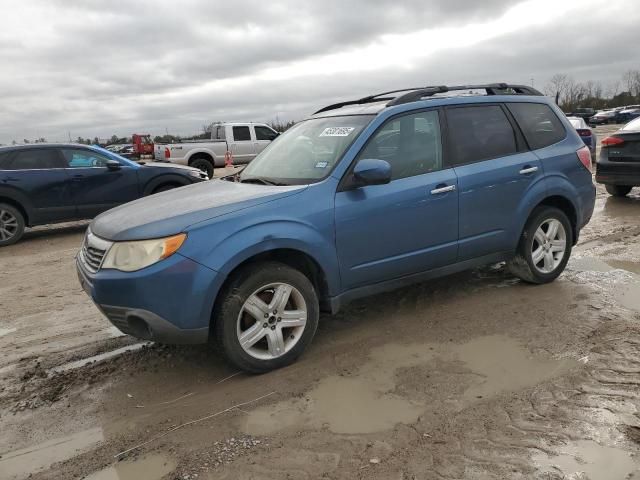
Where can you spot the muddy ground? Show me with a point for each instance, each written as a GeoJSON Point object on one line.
{"type": "Point", "coordinates": [473, 376]}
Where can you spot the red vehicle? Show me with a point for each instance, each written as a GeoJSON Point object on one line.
{"type": "Point", "coordinates": [142, 146]}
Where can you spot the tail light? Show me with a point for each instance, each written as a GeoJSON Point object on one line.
{"type": "Point", "coordinates": [584, 155]}
{"type": "Point", "coordinates": [584, 132]}
{"type": "Point", "coordinates": [167, 152]}
{"type": "Point", "coordinates": [611, 141]}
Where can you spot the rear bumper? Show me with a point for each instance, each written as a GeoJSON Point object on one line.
{"type": "Point", "coordinates": [169, 302]}
{"type": "Point", "coordinates": [618, 173]}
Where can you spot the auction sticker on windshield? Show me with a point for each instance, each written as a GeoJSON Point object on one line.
{"type": "Point", "coordinates": [337, 131]}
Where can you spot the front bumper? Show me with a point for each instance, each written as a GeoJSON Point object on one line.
{"type": "Point", "coordinates": [168, 302]}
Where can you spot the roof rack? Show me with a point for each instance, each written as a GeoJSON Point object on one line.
{"type": "Point", "coordinates": [415, 94]}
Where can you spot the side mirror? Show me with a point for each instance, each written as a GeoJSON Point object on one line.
{"type": "Point", "coordinates": [113, 165]}
{"type": "Point", "coordinates": [369, 171]}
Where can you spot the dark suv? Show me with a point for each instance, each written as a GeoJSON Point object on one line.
{"type": "Point", "coordinates": [49, 183]}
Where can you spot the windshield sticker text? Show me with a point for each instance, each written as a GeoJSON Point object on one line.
{"type": "Point", "coordinates": [337, 131]}
{"type": "Point", "coordinates": [322, 164]}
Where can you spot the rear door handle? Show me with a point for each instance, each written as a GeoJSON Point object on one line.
{"type": "Point", "coordinates": [527, 170]}
{"type": "Point", "coordinates": [443, 189]}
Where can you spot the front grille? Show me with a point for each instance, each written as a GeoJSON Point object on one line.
{"type": "Point", "coordinates": [93, 251]}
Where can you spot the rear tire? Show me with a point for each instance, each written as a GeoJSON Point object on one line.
{"type": "Point", "coordinates": [12, 224]}
{"type": "Point", "coordinates": [266, 317]}
{"type": "Point", "coordinates": [203, 164]}
{"type": "Point", "coordinates": [544, 248]}
{"type": "Point", "coordinates": [618, 190]}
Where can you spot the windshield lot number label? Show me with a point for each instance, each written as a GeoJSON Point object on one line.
{"type": "Point", "coordinates": [337, 131]}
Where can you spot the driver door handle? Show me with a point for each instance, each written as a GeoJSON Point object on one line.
{"type": "Point", "coordinates": [528, 169]}
{"type": "Point", "coordinates": [443, 189]}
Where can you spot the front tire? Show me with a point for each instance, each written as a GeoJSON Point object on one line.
{"type": "Point", "coordinates": [544, 248]}
{"type": "Point", "coordinates": [267, 316]}
{"type": "Point", "coordinates": [12, 224]}
{"type": "Point", "coordinates": [618, 190]}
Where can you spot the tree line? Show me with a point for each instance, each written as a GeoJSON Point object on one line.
{"type": "Point", "coordinates": [571, 94]}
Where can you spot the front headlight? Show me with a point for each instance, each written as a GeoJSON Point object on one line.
{"type": "Point", "coordinates": [132, 256]}
{"type": "Point", "coordinates": [197, 174]}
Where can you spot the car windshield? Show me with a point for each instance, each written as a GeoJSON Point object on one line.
{"type": "Point", "coordinates": [576, 122]}
{"type": "Point", "coordinates": [307, 152]}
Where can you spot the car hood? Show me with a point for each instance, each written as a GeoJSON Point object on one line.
{"type": "Point", "coordinates": [172, 212]}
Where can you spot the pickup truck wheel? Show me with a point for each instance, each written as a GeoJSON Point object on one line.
{"type": "Point", "coordinates": [544, 248]}
{"type": "Point", "coordinates": [203, 164]}
{"type": "Point", "coordinates": [267, 317]}
{"type": "Point", "coordinates": [618, 190]}
{"type": "Point", "coordinates": [11, 224]}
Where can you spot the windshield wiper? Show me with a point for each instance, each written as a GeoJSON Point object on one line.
{"type": "Point", "coordinates": [261, 180]}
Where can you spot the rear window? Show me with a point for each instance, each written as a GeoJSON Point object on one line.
{"type": "Point", "coordinates": [241, 134]}
{"type": "Point", "coordinates": [479, 133]}
{"type": "Point", "coordinates": [33, 159]}
{"type": "Point", "coordinates": [540, 125]}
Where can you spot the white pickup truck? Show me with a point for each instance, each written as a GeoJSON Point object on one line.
{"type": "Point", "coordinates": [243, 140]}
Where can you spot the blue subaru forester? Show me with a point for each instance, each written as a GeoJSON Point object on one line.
{"type": "Point", "coordinates": [363, 196]}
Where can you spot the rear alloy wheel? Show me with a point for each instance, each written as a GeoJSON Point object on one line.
{"type": "Point", "coordinates": [544, 248]}
{"type": "Point", "coordinates": [11, 225]}
{"type": "Point", "coordinates": [618, 190]}
{"type": "Point", "coordinates": [267, 316]}
{"type": "Point", "coordinates": [203, 164]}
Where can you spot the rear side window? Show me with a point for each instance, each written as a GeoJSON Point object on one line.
{"type": "Point", "coordinates": [479, 133]}
{"type": "Point", "coordinates": [264, 133]}
{"type": "Point", "coordinates": [540, 125]}
{"type": "Point", "coordinates": [33, 159]}
{"type": "Point", "coordinates": [241, 134]}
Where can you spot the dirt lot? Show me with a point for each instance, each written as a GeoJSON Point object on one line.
{"type": "Point", "coordinates": [473, 376]}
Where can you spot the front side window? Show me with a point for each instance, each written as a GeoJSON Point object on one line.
{"type": "Point", "coordinates": [84, 158]}
{"type": "Point", "coordinates": [241, 134]}
{"type": "Point", "coordinates": [411, 144]}
{"type": "Point", "coordinates": [34, 159]}
{"type": "Point", "coordinates": [307, 152]}
{"type": "Point", "coordinates": [541, 127]}
{"type": "Point", "coordinates": [479, 133]}
{"type": "Point", "coordinates": [264, 133]}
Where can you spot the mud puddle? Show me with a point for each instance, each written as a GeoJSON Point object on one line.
{"type": "Point", "coordinates": [629, 296]}
{"type": "Point", "coordinates": [149, 467]}
{"type": "Point", "coordinates": [366, 402]}
{"type": "Point", "coordinates": [21, 463]}
{"type": "Point", "coordinates": [587, 459]}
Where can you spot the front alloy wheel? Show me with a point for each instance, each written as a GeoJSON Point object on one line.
{"type": "Point", "coordinates": [271, 321]}
{"type": "Point", "coordinates": [265, 317]}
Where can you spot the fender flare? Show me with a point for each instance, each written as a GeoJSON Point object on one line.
{"type": "Point", "coordinates": [205, 151]}
{"type": "Point", "coordinates": [164, 179]}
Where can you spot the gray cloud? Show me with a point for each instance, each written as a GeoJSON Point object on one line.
{"type": "Point", "coordinates": [97, 68]}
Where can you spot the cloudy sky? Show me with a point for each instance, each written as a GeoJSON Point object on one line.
{"type": "Point", "coordinates": [98, 67]}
